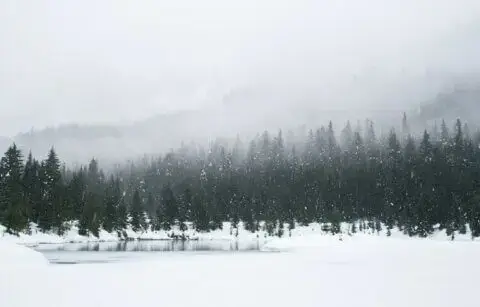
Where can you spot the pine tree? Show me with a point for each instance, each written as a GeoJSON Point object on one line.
{"type": "Point", "coordinates": [151, 207]}
{"type": "Point", "coordinates": [347, 135]}
{"type": "Point", "coordinates": [170, 207]}
{"type": "Point", "coordinates": [77, 188]}
{"type": "Point", "coordinates": [111, 199]}
{"type": "Point", "coordinates": [466, 132]}
{"type": "Point", "coordinates": [184, 208]}
{"type": "Point", "coordinates": [474, 214]}
{"type": "Point", "coordinates": [392, 171]}
{"type": "Point", "coordinates": [51, 215]}
{"type": "Point", "coordinates": [336, 219]}
{"type": "Point", "coordinates": [409, 185]}
{"type": "Point", "coordinates": [424, 205]}
{"type": "Point", "coordinates": [405, 128]}
{"type": "Point", "coordinates": [462, 190]}
{"type": "Point", "coordinates": [32, 188]}
{"type": "Point", "coordinates": [435, 133]}
{"type": "Point", "coordinates": [444, 134]}
{"type": "Point", "coordinates": [199, 213]}
{"type": "Point", "coordinates": [94, 206]}
{"type": "Point", "coordinates": [122, 214]}
{"type": "Point", "coordinates": [90, 220]}
{"type": "Point", "coordinates": [136, 212]}
{"type": "Point", "coordinates": [13, 206]}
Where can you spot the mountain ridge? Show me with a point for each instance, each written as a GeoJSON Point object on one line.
{"type": "Point", "coordinates": [78, 143]}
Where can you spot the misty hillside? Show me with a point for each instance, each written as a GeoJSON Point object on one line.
{"type": "Point", "coordinates": [4, 142]}
{"type": "Point", "coordinates": [463, 103]}
{"type": "Point", "coordinates": [241, 112]}
{"type": "Point", "coordinates": [116, 143]}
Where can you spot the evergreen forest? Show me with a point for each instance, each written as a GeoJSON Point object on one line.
{"type": "Point", "coordinates": [416, 182]}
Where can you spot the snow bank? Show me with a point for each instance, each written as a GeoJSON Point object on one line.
{"type": "Point", "coordinates": [313, 241]}
{"type": "Point", "coordinates": [14, 256]}
{"type": "Point", "coordinates": [362, 271]}
{"type": "Point", "coordinates": [313, 237]}
{"type": "Point", "coordinates": [226, 233]}
{"type": "Point", "coordinates": [71, 236]}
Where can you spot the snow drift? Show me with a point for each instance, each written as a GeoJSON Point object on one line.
{"type": "Point", "coordinates": [14, 256]}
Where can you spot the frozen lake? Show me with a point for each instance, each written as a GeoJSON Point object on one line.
{"type": "Point", "coordinates": [105, 252]}
{"type": "Point", "coordinates": [311, 271]}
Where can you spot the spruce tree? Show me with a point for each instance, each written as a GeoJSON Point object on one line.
{"type": "Point", "coordinates": [409, 185]}
{"type": "Point", "coordinates": [51, 217]}
{"type": "Point", "coordinates": [77, 188]}
{"type": "Point", "coordinates": [111, 199]}
{"type": "Point", "coordinates": [170, 206]}
{"type": "Point", "coordinates": [151, 208]}
{"type": "Point", "coordinates": [32, 188]}
{"type": "Point", "coordinates": [444, 134]}
{"type": "Point", "coordinates": [405, 128]}
{"type": "Point", "coordinates": [136, 212]}
{"type": "Point", "coordinates": [122, 214]}
{"type": "Point", "coordinates": [13, 206]}
{"type": "Point", "coordinates": [90, 219]}
{"type": "Point", "coordinates": [425, 199]}
{"type": "Point", "coordinates": [347, 135]}
{"type": "Point", "coordinates": [392, 169]}
{"type": "Point", "coordinates": [184, 208]}
{"type": "Point", "coordinates": [200, 217]}
{"type": "Point", "coordinates": [94, 210]}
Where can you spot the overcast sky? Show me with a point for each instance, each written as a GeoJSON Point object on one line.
{"type": "Point", "coordinates": [107, 61]}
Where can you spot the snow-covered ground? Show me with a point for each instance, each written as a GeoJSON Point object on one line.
{"type": "Point", "coordinates": [71, 236]}
{"type": "Point", "coordinates": [227, 233]}
{"type": "Point", "coordinates": [313, 270]}
{"type": "Point", "coordinates": [13, 257]}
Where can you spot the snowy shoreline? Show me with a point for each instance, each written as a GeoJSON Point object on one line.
{"type": "Point", "coordinates": [227, 233]}
{"type": "Point", "coordinates": [36, 237]}
{"type": "Point", "coordinates": [315, 268]}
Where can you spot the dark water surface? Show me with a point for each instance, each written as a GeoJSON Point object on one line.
{"type": "Point", "coordinates": [105, 252]}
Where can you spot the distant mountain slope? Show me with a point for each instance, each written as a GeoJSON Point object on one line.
{"type": "Point", "coordinates": [160, 133]}
{"type": "Point", "coordinates": [463, 103]}
{"type": "Point", "coordinates": [241, 112]}
{"type": "Point", "coordinates": [4, 142]}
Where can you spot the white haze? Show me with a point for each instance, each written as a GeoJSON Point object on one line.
{"type": "Point", "coordinates": [121, 61]}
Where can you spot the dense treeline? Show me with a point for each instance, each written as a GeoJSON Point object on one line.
{"type": "Point", "coordinates": [411, 182]}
